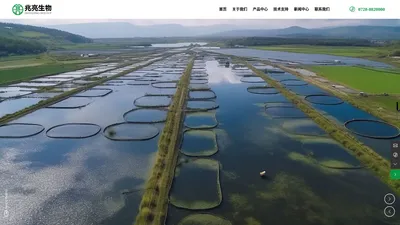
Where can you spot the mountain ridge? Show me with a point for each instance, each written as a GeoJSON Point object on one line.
{"type": "Point", "coordinates": [128, 30]}
{"type": "Point", "coordinates": [361, 31]}
{"type": "Point", "coordinates": [19, 39]}
{"type": "Point", "coordinates": [22, 31]}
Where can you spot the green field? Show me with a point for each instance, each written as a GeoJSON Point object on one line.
{"type": "Point", "coordinates": [24, 61]}
{"type": "Point", "coordinates": [19, 57]}
{"type": "Point", "coordinates": [385, 102]}
{"type": "Point", "coordinates": [42, 59]}
{"type": "Point", "coordinates": [25, 73]}
{"type": "Point", "coordinates": [15, 68]}
{"type": "Point", "coordinates": [361, 79]}
{"type": "Point", "coordinates": [90, 46]}
{"type": "Point", "coordinates": [350, 51]}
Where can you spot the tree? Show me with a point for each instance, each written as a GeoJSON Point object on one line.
{"type": "Point", "coordinates": [10, 46]}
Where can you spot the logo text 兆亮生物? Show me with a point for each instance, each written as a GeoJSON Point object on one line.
{"type": "Point", "coordinates": [19, 9]}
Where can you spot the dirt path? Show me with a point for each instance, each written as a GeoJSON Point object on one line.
{"type": "Point", "coordinates": [19, 66]}
{"type": "Point", "coordinates": [321, 81]}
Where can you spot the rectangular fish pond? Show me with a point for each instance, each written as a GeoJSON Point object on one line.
{"type": "Point", "coordinates": [370, 130]}
{"type": "Point", "coordinates": [81, 161]}
{"type": "Point", "coordinates": [310, 178]}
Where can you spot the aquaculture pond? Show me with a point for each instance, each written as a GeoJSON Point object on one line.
{"type": "Point", "coordinates": [303, 184]}
{"type": "Point", "coordinates": [16, 93]}
{"type": "Point", "coordinates": [303, 58]}
{"type": "Point", "coordinates": [367, 128]}
{"type": "Point", "coordinates": [201, 94]}
{"type": "Point", "coordinates": [310, 90]}
{"type": "Point", "coordinates": [43, 95]}
{"type": "Point", "coordinates": [69, 166]}
{"type": "Point", "coordinates": [199, 143]}
{"type": "Point", "coordinates": [201, 120]}
{"type": "Point", "coordinates": [11, 106]}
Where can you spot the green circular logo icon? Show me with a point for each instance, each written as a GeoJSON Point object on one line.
{"type": "Point", "coordinates": [352, 9]}
{"type": "Point", "coordinates": [17, 9]}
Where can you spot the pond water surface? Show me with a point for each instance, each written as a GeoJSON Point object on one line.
{"type": "Point", "coordinates": [299, 188]}
{"type": "Point", "coordinates": [297, 57]}
{"type": "Point", "coordinates": [67, 181]}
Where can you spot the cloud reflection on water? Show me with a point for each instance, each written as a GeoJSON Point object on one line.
{"type": "Point", "coordinates": [218, 74]}
{"type": "Point", "coordinates": [74, 182]}
{"type": "Point", "coordinates": [81, 174]}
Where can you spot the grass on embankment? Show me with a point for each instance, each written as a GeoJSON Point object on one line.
{"type": "Point", "coordinates": [361, 79]}
{"type": "Point", "coordinates": [383, 107]}
{"type": "Point", "coordinates": [154, 205]}
{"type": "Point", "coordinates": [368, 157]}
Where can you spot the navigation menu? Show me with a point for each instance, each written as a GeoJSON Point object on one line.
{"type": "Point", "coordinates": [395, 160]}
{"type": "Point", "coordinates": [311, 9]}
{"type": "Point", "coordinates": [281, 9]}
{"type": "Point", "coordinates": [239, 9]}
{"type": "Point", "coordinates": [215, 10]}
{"type": "Point", "coordinates": [395, 155]}
{"type": "Point", "coordinates": [260, 9]}
{"type": "Point", "coordinates": [322, 9]}
{"type": "Point", "coordinates": [301, 9]}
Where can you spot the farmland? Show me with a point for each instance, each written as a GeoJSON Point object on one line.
{"type": "Point", "coordinates": [16, 74]}
{"type": "Point", "coordinates": [349, 51]}
{"type": "Point", "coordinates": [361, 79]}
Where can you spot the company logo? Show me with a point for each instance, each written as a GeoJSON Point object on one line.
{"type": "Point", "coordinates": [18, 9]}
{"type": "Point", "coordinates": [352, 9]}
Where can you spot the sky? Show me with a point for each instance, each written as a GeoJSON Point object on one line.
{"type": "Point", "coordinates": [264, 24]}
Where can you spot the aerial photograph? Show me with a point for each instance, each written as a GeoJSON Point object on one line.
{"type": "Point", "coordinates": [199, 122]}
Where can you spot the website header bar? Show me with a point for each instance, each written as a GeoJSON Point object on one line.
{"type": "Point", "coordinates": [184, 9]}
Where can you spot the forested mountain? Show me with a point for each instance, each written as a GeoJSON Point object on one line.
{"type": "Point", "coordinates": [128, 30]}
{"type": "Point", "coordinates": [18, 39]}
{"type": "Point", "coordinates": [9, 46]}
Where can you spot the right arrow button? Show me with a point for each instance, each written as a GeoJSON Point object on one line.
{"type": "Point", "coordinates": [389, 199]}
